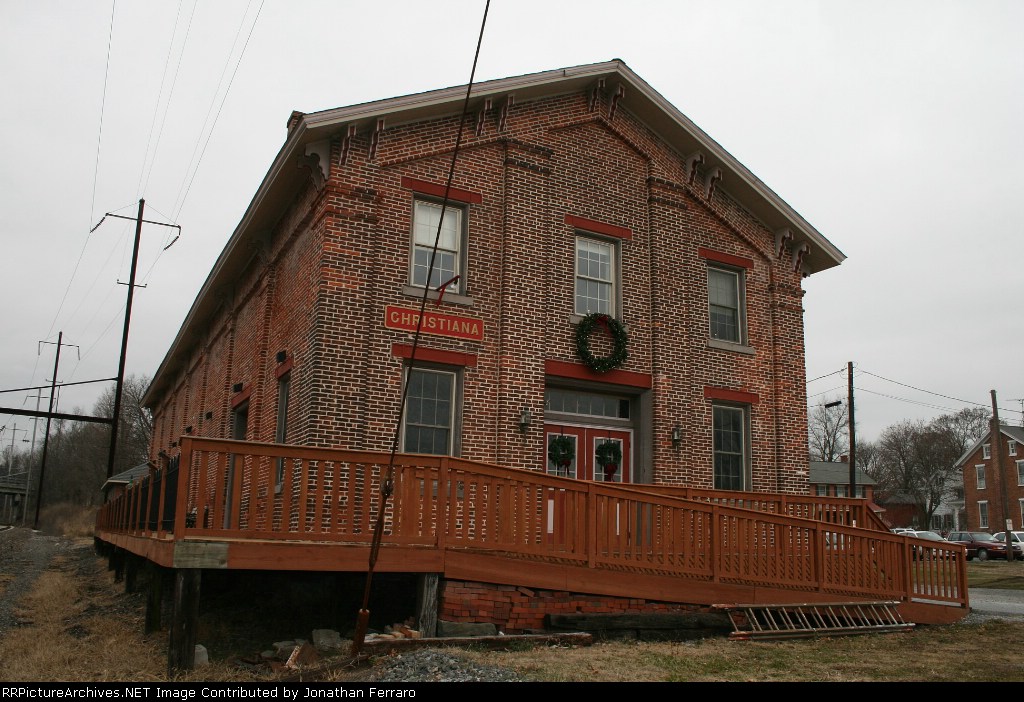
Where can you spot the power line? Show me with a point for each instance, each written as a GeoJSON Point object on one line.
{"type": "Point", "coordinates": [841, 370]}
{"type": "Point", "coordinates": [929, 392]}
{"type": "Point", "coordinates": [167, 106]}
{"type": "Point", "coordinates": [181, 205]}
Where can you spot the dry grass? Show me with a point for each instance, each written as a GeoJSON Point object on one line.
{"type": "Point", "coordinates": [67, 519]}
{"type": "Point", "coordinates": [941, 653]}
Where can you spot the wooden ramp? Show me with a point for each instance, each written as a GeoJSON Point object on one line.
{"type": "Point", "coordinates": [794, 621]}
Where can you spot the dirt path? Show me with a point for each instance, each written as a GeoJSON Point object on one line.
{"type": "Point", "coordinates": [24, 556]}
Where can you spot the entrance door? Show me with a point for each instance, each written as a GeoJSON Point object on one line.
{"type": "Point", "coordinates": [592, 453]}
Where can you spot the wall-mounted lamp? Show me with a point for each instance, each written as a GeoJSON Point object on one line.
{"type": "Point", "coordinates": [237, 387]}
{"type": "Point", "coordinates": [524, 420]}
{"type": "Point", "coordinates": [282, 356]}
{"type": "Point", "coordinates": [830, 405]}
{"type": "Point", "coordinates": [677, 436]}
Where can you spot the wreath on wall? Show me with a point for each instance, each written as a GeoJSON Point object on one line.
{"type": "Point", "coordinates": [561, 451]}
{"type": "Point", "coordinates": [620, 342]}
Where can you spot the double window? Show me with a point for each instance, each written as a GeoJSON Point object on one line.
{"type": "Point", "coordinates": [979, 472]}
{"type": "Point", "coordinates": [729, 431]}
{"type": "Point", "coordinates": [983, 515]}
{"type": "Point", "coordinates": [430, 412]}
{"type": "Point", "coordinates": [595, 276]}
{"type": "Point", "coordinates": [986, 451]}
{"type": "Point", "coordinates": [448, 262]}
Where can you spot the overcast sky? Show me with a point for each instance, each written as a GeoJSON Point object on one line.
{"type": "Point", "coordinates": [894, 128]}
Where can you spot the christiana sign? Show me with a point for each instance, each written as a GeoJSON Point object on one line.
{"type": "Point", "coordinates": [434, 323]}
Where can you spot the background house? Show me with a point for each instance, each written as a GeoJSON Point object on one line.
{"type": "Point", "coordinates": [833, 478]}
{"type": "Point", "coordinates": [986, 489]}
{"type": "Point", "coordinates": [579, 191]}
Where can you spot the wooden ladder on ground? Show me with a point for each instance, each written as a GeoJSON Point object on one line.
{"type": "Point", "coordinates": [791, 621]}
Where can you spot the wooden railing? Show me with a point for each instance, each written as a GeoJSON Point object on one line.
{"type": "Point", "coordinates": [835, 510]}
{"type": "Point", "coordinates": [244, 490]}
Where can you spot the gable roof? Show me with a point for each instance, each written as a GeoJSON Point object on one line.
{"type": "Point", "coordinates": [1014, 433]}
{"type": "Point", "coordinates": [127, 476]}
{"type": "Point", "coordinates": [836, 473]}
{"type": "Point", "coordinates": [284, 179]}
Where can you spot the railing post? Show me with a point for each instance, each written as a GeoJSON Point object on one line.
{"type": "Point", "coordinates": [819, 556]}
{"type": "Point", "coordinates": [442, 520]}
{"type": "Point", "coordinates": [590, 538]}
{"type": "Point", "coordinates": [184, 468]}
{"type": "Point", "coordinates": [716, 538]}
{"type": "Point", "coordinates": [161, 488]}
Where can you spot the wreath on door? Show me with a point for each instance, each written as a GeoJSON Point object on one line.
{"type": "Point", "coordinates": [609, 457]}
{"type": "Point", "coordinates": [561, 451]}
{"type": "Point", "coordinates": [620, 342]}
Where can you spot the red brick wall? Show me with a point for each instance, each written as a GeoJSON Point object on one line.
{"type": "Point", "coordinates": [322, 278]}
{"type": "Point", "coordinates": [993, 491]}
{"type": "Point", "coordinates": [515, 610]}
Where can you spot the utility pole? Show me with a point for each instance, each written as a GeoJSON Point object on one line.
{"type": "Point", "coordinates": [31, 453]}
{"type": "Point", "coordinates": [46, 438]}
{"type": "Point", "coordinates": [119, 390]}
{"type": "Point", "coordinates": [853, 433]}
{"type": "Point", "coordinates": [124, 342]}
{"type": "Point", "coordinates": [997, 462]}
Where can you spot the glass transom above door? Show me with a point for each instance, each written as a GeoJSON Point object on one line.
{"type": "Point", "coordinates": [585, 404]}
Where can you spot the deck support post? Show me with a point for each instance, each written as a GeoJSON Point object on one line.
{"type": "Point", "coordinates": [131, 573]}
{"type": "Point", "coordinates": [427, 604]}
{"type": "Point", "coordinates": [181, 653]}
{"type": "Point", "coordinates": [117, 561]}
{"type": "Point", "coordinates": [154, 597]}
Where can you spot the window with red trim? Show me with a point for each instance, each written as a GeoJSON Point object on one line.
{"type": "Point", "coordinates": [451, 245]}
{"type": "Point", "coordinates": [726, 303]}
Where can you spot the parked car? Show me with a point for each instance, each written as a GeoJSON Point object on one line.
{"type": "Point", "coordinates": [981, 545]}
{"type": "Point", "coordinates": [921, 551]}
{"type": "Point", "coordinates": [1016, 536]}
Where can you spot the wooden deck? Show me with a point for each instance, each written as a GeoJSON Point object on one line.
{"type": "Point", "coordinates": [220, 504]}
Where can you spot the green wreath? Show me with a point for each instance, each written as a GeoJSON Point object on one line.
{"type": "Point", "coordinates": [561, 450]}
{"type": "Point", "coordinates": [620, 342]}
{"type": "Point", "coordinates": [609, 453]}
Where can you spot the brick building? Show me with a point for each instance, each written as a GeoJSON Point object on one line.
{"type": "Point", "coordinates": [985, 488]}
{"type": "Point", "coordinates": [576, 191]}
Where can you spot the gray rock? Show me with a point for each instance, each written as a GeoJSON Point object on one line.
{"type": "Point", "coordinates": [202, 656]}
{"type": "Point", "coordinates": [326, 639]}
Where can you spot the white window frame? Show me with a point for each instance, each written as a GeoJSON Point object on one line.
{"type": "Point", "coordinates": [979, 476]}
{"type": "Point", "coordinates": [1021, 503]}
{"type": "Point", "coordinates": [842, 490]}
{"type": "Point", "coordinates": [821, 490]}
{"type": "Point", "coordinates": [986, 451]}
{"type": "Point", "coordinates": [983, 514]}
{"type": "Point", "coordinates": [613, 273]}
{"type": "Point", "coordinates": [740, 277]}
{"type": "Point", "coordinates": [744, 413]}
{"type": "Point", "coordinates": [1011, 447]}
{"type": "Point", "coordinates": [453, 413]}
{"type": "Point", "coordinates": [426, 243]}
{"type": "Point", "coordinates": [1020, 472]}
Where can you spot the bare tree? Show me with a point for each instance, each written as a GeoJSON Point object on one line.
{"type": "Point", "coordinates": [916, 459]}
{"type": "Point", "coordinates": [828, 430]}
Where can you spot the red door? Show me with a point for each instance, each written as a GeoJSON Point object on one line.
{"type": "Point", "coordinates": [590, 453]}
